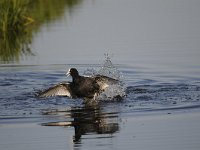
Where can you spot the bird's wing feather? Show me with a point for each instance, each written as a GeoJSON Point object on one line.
{"type": "Point", "coordinates": [57, 90]}
{"type": "Point", "coordinates": [104, 81]}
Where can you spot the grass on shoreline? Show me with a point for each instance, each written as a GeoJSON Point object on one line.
{"type": "Point", "coordinates": [20, 19]}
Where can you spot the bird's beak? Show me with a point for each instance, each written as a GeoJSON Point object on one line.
{"type": "Point", "coordinates": [68, 74]}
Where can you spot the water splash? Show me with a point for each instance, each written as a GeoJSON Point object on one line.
{"type": "Point", "coordinates": [115, 91]}
{"type": "Point", "coordinates": [90, 72]}
{"type": "Point", "coordinates": [109, 70]}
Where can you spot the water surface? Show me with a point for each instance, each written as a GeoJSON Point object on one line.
{"type": "Point", "coordinates": [153, 44]}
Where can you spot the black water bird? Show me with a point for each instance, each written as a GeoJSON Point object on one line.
{"type": "Point", "coordinates": [80, 87]}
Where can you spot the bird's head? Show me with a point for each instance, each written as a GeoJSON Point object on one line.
{"type": "Point", "coordinates": [72, 72]}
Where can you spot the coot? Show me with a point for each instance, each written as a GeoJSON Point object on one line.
{"type": "Point", "coordinates": [80, 87]}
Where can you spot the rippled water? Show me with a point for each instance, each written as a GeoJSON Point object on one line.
{"type": "Point", "coordinates": [144, 91]}
{"type": "Point", "coordinates": [147, 92]}
{"type": "Point", "coordinates": [154, 48]}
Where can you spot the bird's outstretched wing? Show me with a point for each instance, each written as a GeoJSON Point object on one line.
{"type": "Point", "coordinates": [104, 81]}
{"type": "Point", "coordinates": [62, 89]}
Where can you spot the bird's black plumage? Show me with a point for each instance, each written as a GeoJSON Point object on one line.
{"type": "Point", "coordinates": [80, 87]}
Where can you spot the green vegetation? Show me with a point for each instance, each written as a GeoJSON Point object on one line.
{"type": "Point", "coordinates": [19, 19]}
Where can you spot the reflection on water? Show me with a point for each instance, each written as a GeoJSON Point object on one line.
{"type": "Point", "coordinates": [87, 120]}
{"type": "Point", "coordinates": [155, 44]}
{"type": "Point", "coordinates": [102, 123]}
{"type": "Point", "coordinates": [21, 19]}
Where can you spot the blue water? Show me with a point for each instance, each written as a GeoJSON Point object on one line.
{"type": "Point", "coordinates": [155, 45]}
{"type": "Point", "coordinates": [145, 91]}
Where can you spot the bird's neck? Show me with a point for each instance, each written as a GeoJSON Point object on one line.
{"type": "Point", "coordinates": [76, 79]}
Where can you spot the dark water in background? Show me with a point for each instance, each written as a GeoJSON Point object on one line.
{"type": "Point", "coordinates": [155, 46]}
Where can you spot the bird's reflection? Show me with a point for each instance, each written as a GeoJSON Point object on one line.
{"type": "Point", "coordinates": [87, 120]}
